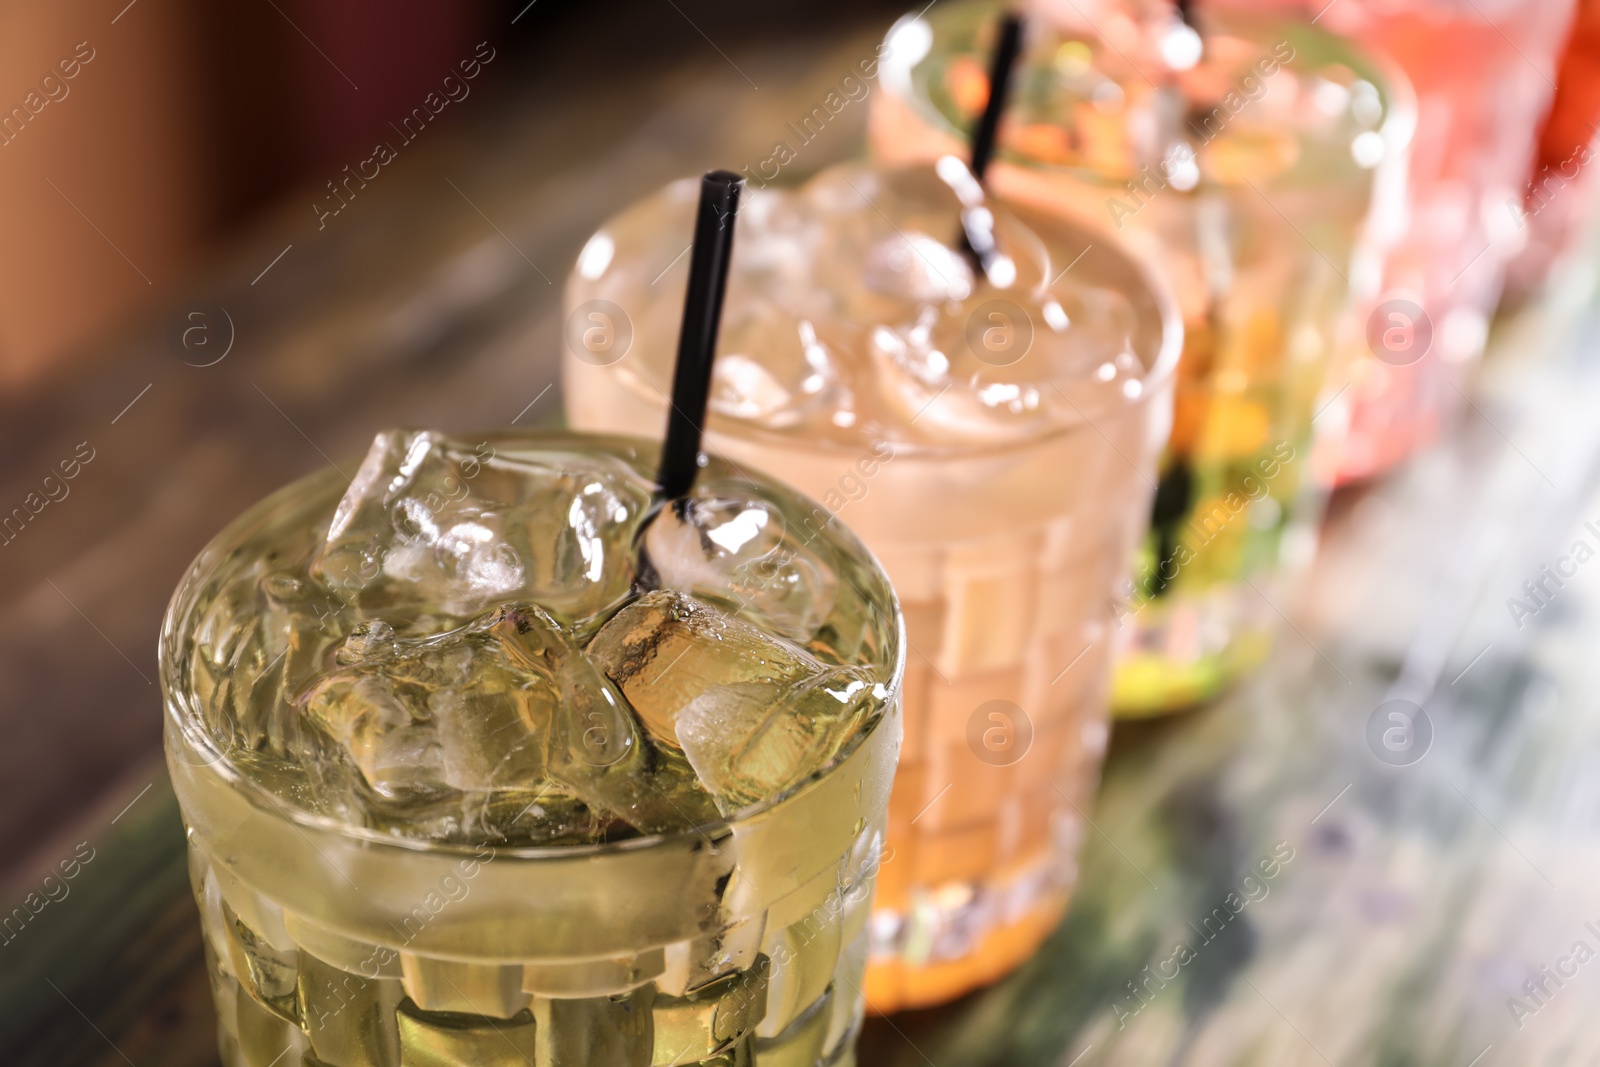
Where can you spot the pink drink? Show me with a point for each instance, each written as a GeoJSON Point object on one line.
{"type": "Point", "coordinates": [991, 434]}
{"type": "Point", "coordinates": [1484, 74]}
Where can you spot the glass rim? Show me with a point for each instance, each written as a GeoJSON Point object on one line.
{"type": "Point", "coordinates": [1160, 370]}
{"type": "Point", "coordinates": [1398, 127]}
{"type": "Point", "coordinates": [185, 732]}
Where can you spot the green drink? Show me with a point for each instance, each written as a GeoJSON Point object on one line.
{"type": "Point", "coordinates": [487, 761]}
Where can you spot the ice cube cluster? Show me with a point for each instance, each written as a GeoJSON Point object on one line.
{"type": "Point", "coordinates": [508, 641]}
{"type": "Point", "coordinates": [854, 311]}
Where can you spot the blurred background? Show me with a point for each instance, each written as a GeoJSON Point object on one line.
{"type": "Point", "coordinates": [198, 178]}
{"type": "Point", "coordinates": [214, 280]}
{"type": "Point", "coordinates": [189, 122]}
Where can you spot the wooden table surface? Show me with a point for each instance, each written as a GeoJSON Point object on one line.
{"type": "Point", "coordinates": [1259, 887]}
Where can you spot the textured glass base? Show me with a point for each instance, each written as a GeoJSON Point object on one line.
{"type": "Point", "coordinates": [612, 958]}
{"type": "Point", "coordinates": [959, 936]}
{"type": "Point", "coordinates": [1188, 651]}
{"type": "Point", "coordinates": [283, 1006]}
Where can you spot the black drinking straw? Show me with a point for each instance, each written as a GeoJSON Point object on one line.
{"type": "Point", "coordinates": [1000, 66]}
{"type": "Point", "coordinates": [1186, 13]}
{"type": "Point", "coordinates": [977, 235]}
{"type": "Point", "coordinates": [697, 341]}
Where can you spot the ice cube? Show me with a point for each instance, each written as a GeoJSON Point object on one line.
{"type": "Point", "coordinates": [854, 309]}
{"type": "Point", "coordinates": [457, 557]}
{"type": "Point", "coordinates": [252, 671]}
{"type": "Point", "coordinates": [652, 789]}
{"type": "Point", "coordinates": [502, 723]}
{"type": "Point", "coordinates": [433, 523]}
{"type": "Point", "coordinates": [929, 383]}
{"type": "Point", "coordinates": [745, 389]}
{"type": "Point", "coordinates": [734, 548]}
{"type": "Point", "coordinates": [1003, 368]}
{"type": "Point", "coordinates": [776, 243]}
{"type": "Point", "coordinates": [753, 715]}
{"type": "Point", "coordinates": [575, 533]}
{"type": "Point", "coordinates": [916, 267]}
{"type": "Point", "coordinates": [948, 353]}
{"type": "Point", "coordinates": [545, 816]}
{"type": "Point", "coordinates": [877, 262]}
{"type": "Point", "coordinates": [413, 528]}
{"type": "Point", "coordinates": [776, 366]}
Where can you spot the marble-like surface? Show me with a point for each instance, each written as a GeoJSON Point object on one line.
{"type": "Point", "coordinates": [1403, 904]}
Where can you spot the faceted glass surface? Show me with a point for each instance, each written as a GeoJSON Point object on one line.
{"type": "Point", "coordinates": [1263, 161]}
{"type": "Point", "coordinates": [470, 779]}
{"type": "Point", "coordinates": [990, 425]}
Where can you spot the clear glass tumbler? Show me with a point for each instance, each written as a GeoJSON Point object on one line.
{"type": "Point", "coordinates": [1262, 160]}
{"type": "Point", "coordinates": [1484, 74]}
{"type": "Point", "coordinates": [991, 434]}
{"type": "Point", "coordinates": [345, 927]}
